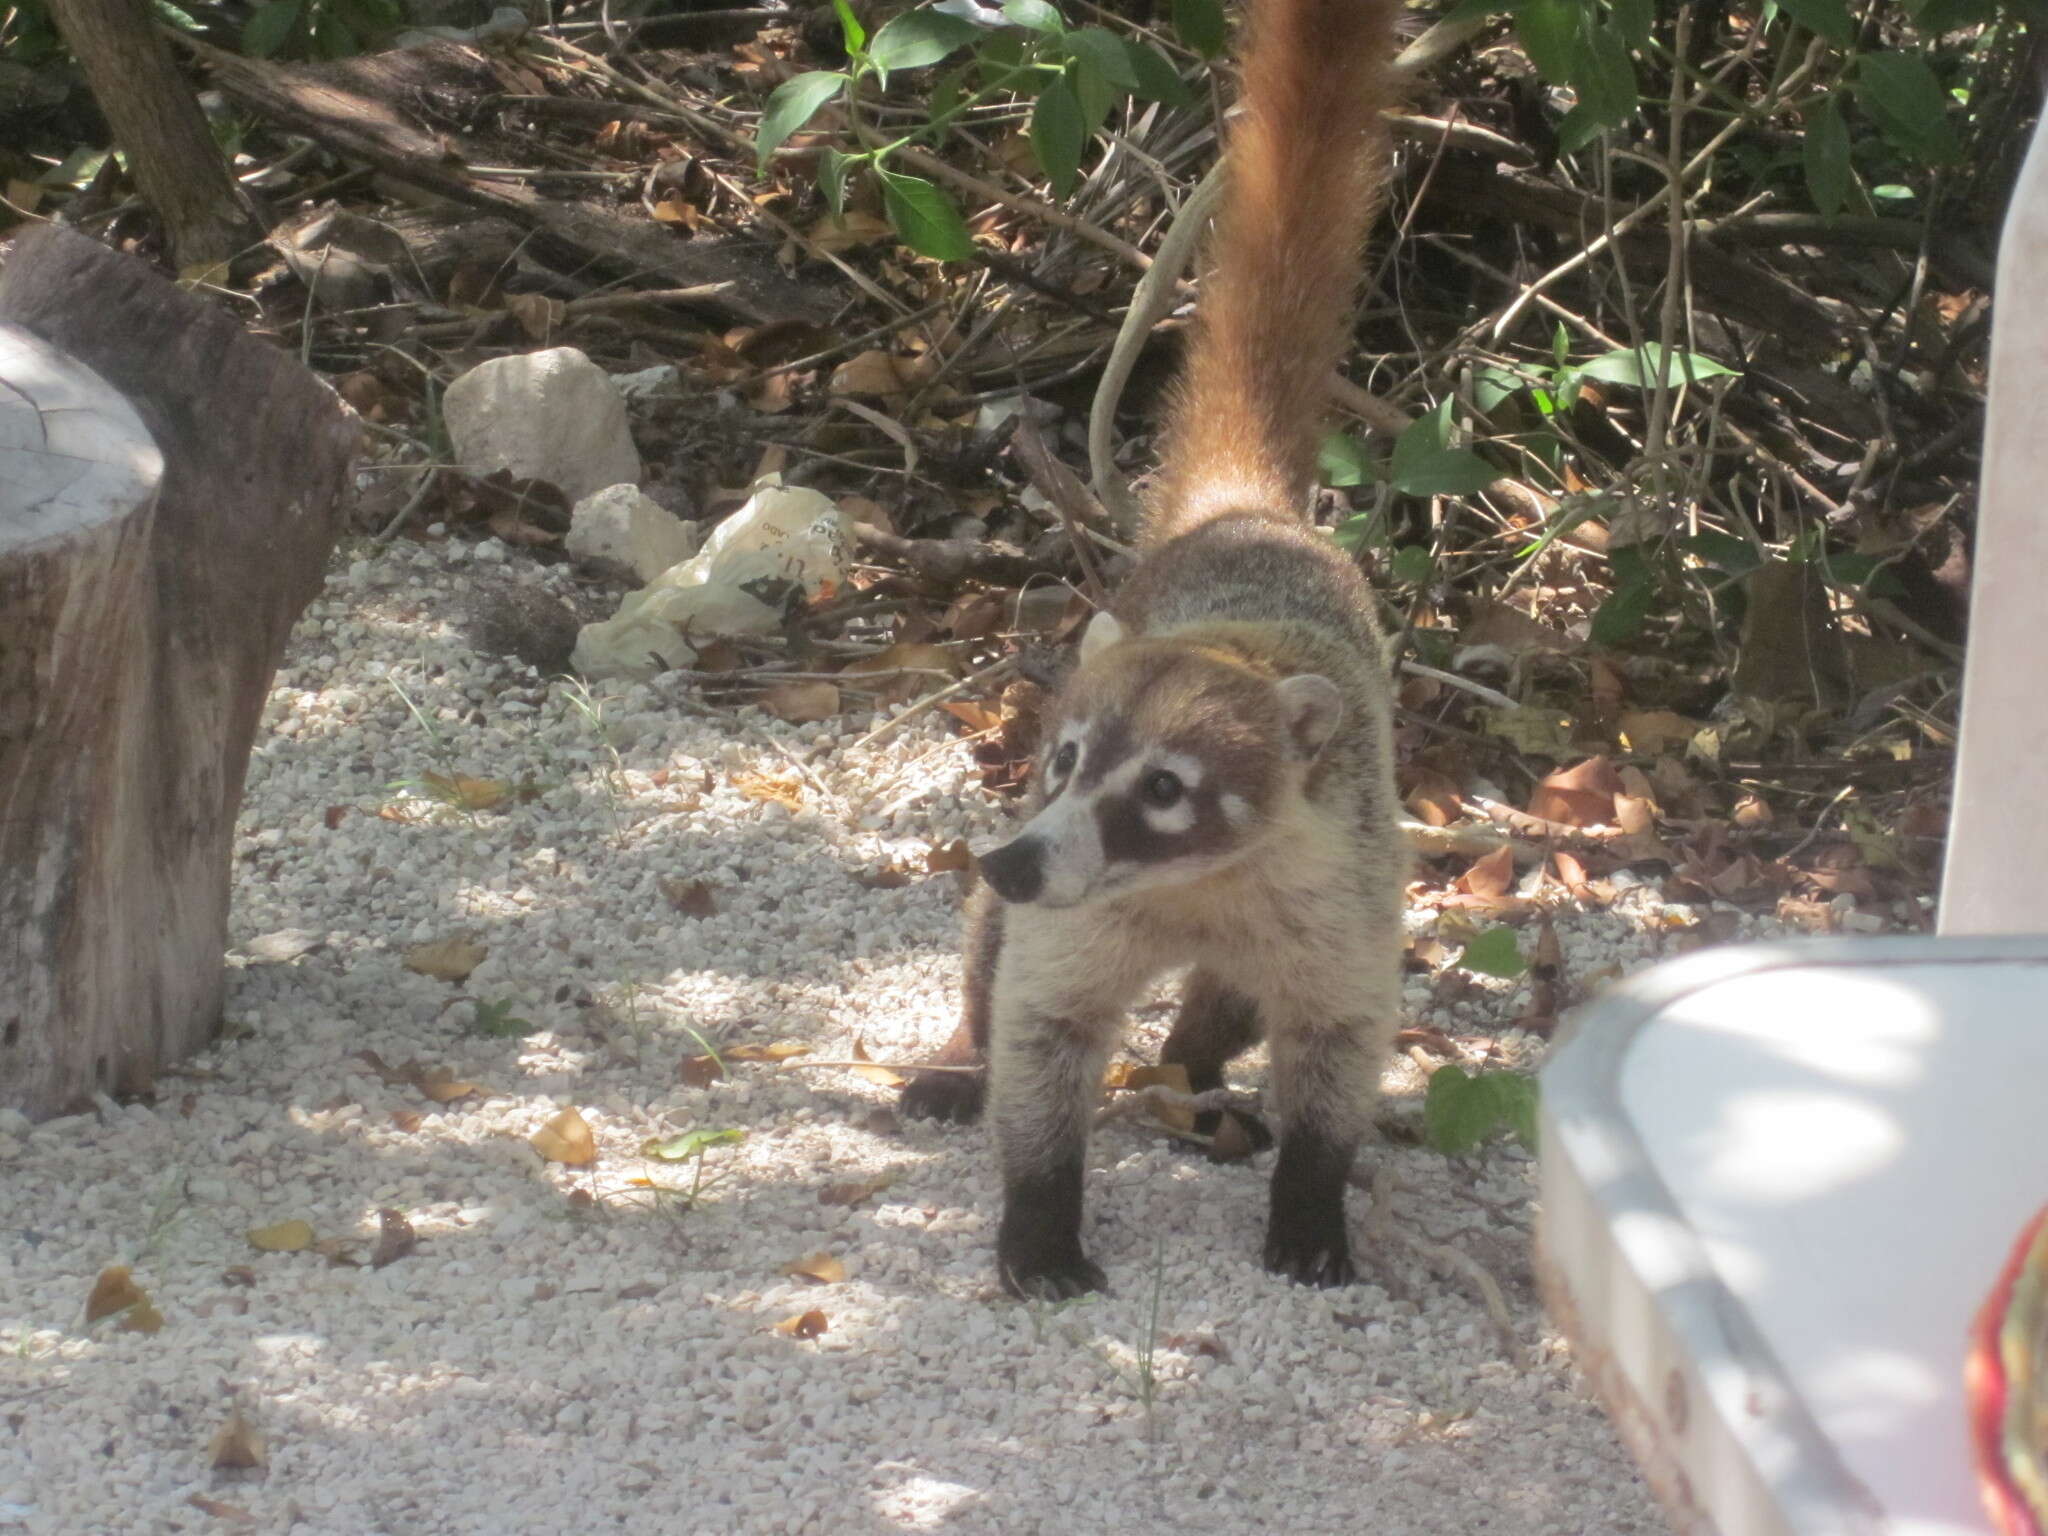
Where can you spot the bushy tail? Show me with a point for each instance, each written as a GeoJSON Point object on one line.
{"type": "Point", "coordinates": [1307, 173]}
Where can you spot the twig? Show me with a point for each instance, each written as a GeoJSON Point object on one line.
{"type": "Point", "coordinates": [1069, 497]}
{"type": "Point", "coordinates": [1480, 691]}
{"type": "Point", "coordinates": [895, 722]}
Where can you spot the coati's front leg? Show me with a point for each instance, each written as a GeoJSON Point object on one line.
{"type": "Point", "coordinates": [958, 1094]}
{"type": "Point", "coordinates": [1061, 987]}
{"type": "Point", "coordinates": [1325, 1079]}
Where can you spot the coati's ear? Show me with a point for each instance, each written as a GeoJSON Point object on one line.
{"type": "Point", "coordinates": [1102, 632]}
{"type": "Point", "coordinates": [1313, 708]}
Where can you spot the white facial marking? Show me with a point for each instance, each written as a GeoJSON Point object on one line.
{"type": "Point", "coordinates": [1178, 817]}
{"type": "Point", "coordinates": [1236, 809]}
{"type": "Point", "coordinates": [1102, 632]}
{"type": "Point", "coordinates": [1187, 769]}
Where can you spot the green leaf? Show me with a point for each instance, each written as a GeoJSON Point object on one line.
{"type": "Point", "coordinates": [1892, 192]}
{"type": "Point", "coordinates": [832, 169]}
{"type": "Point", "coordinates": [1550, 34]}
{"type": "Point", "coordinates": [1344, 461]}
{"type": "Point", "coordinates": [1456, 1113]}
{"type": "Point", "coordinates": [1058, 136]}
{"type": "Point", "coordinates": [1634, 18]}
{"type": "Point", "coordinates": [1035, 15]}
{"type": "Point", "coordinates": [1830, 18]}
{"type": "Point", "coordinates": [1199, 24]}
{"type": "Point", "coordinates": [1423, 466]}
{"type": "Point", "coordinates": [1412, 564]}
{"type": "Point", "coordinates": [1092, 90]}
{"type": "Point", "coordinates": [922, 217]}
{"type": "Point", "coordinates": [1494, 953]}
{"type": "Point", "coordinates": [269, 27]}
{"type": "Point", "coordinates": [1619, 618]}
{"type": "Point", "coordinates": [794, 103]}
{"type": "Point", "coordinates": [1105, 50]}
{"type": "Point", "coordinates": [1627, 367]}
{"type": "Point", "coordinates": [1903, 98]}
{"type": "Point", "coordinates": [1828, 167]}
{"type": "Point", "coordinates": [1492, 385]}
{"type": "Point", "coordinates": [1001, 58]}
{"type": "Point", "coordinates": [1514, 1104]}
{"type": "Point", "coordinates": [917, 38]}
{"type": "Point", "coordinates": [1606, 78]}
{"type": "Point", "coordinates": [1359, 530]}
{"type": "Point", "coordinates": [1156, 76]}
{"type": "Point", "coordinates": [850, 29]}
{"type": "Point", "coordinates": [680, 1149]}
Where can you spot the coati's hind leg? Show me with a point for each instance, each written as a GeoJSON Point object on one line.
{"type": "Point", "coordinates": [1216, 1024]}
{"type": "Point", "coordinates": [958, 1094]}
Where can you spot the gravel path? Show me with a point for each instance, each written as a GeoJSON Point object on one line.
{"type": "Point", "coordinates": [591, 1349]}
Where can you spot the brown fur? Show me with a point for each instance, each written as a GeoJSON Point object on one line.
{"type": "Point", "coordinates": [1305, 181]}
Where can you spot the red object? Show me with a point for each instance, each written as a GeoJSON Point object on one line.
{"type": "Point", "coordinates": [2006, 1380]}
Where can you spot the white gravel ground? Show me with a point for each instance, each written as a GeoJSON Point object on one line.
{"type": "Point", "coordinates": [583, 1350]}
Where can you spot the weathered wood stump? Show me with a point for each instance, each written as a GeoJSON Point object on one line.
{"type": "Point", "coordinates": [169, 492]}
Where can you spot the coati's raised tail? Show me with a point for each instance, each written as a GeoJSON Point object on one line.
{"type": "Point", "coordinates": [1215, 791]}
{"type": "Point", "coordinates": [1307, 175]}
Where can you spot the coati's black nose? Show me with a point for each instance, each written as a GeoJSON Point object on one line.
{"type": "Point", "coordinates": [1016, 871]}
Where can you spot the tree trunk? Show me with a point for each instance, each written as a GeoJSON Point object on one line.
{"type": "Point", "coordinates": [158, 125]}
{"type": "Point", "coordinates": [169, 492]}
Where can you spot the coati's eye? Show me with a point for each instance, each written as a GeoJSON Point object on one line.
{"type": "Point", "coordinates": [1063, 760]}
{"type": "Point", "coordinates": [1161, 788]}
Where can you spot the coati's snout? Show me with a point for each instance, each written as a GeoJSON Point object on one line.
{"type": "Point", "coordinates": [1016, 871]}
{"type": "Point", "coordinates": [1165, 762]}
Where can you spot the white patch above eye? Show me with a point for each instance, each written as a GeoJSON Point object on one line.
{"type": "Point", "coordinates": [1187, 769]}
{"type": "Point", "coordinates": [1102, 632]}
{"type": "Point", "coordinates": [1236, 809]}
{"type": "Point", "coordinates": [1178, 817]}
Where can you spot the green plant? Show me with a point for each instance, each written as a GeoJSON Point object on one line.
{"type": "Point", "coordinates": [319, 29]}
{"type": "Point", "coordinates": [1495, 953]}
{"type": "Point", "coordinates": [1073, 78]}
{"type": "Point", "coordinates": [690, 1147]}
{"type": "Point", "coordinates": [1462, 1109]}
{"type": "Point", "coordinates": [497, 1021]}
{"type": "Point", "coordinates": [590, 707]}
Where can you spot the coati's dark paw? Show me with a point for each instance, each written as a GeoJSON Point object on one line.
{"type": "Point", "coordinates": [1314, 1253]}
{"type": "Point", "coordinates": [1034, 1272]}
{"type": "Point", "coordinates": [1233, 1143]}
{"type": "Point", "coordinates": [952, 1096]}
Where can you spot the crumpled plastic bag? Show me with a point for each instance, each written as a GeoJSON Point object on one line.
{"type": "Point", "coordinates": [787, 546]}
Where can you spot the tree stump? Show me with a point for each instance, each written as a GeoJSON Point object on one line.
{"type": "Point", "coordinates": [169, 493]}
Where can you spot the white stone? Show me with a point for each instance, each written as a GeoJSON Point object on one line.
{"type": "Point", "coordinates": [627, 527]}
{"type": "Point", "coordinates": [552, 415]}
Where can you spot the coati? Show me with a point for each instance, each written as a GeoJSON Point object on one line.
{"type": "Point", "coordinates": [1216, 790]}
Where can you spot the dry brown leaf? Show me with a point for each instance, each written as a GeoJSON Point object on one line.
{"type": "Point", "coordinates": [408, 1120]}
{"type": "Point", "coordinates": [888, 1077]}
{"type": "Point", "coordinates": [949, 857]}
{"type": "Point", "coordinates": [784, 789]}
{"type": "Point", "coordinates": [1167, 1074]}
{"type": "Point", "coordinates": [114, 1291]}
{"type": "Point", "coordinates": [395, 1238]}
{"type": "Point", "coordinates": [692, 898]}
{"type": "Point", "coordinates": [699, 1071]}
{"type": "Point", "coordinates": [874, 373]}
{"type": "Point", "coordinates": [853, 1191]}
{"type": "Point", "coordinates": [773, 1050]}
{"type": "Point", "coordinates": [234, 1514]}
{"type": "Point", "coordinates": [538, 315]}
{"type": "Point", "coordinates": [1502, 624]}
{"type": "Point", "coordinates": [838, 233]}
{"type": "Point", "coordinates": [818, 1268]}
{"type": "Point", "coordinates": [1751, 811]}
{"type": "Point", "coordinates": [293, 1236]}
{"type": "Point", "coordinates": [1649, 731]}
{"type": "Point", "coordinates": [805, 1325]}
{"type": "Point", "coordinates": [1579, 796]}
{"type": "Point", "coordinates": [471, 794]}
{"type": "Point", "coordinates": [566, 1139]}
{"type": "Point", "coordinates": [905, 670]}
{"type": "Point", "coordinates": [237, 1446]}
{"type": "Point", "coordinates": [1492, 877]}
{"type": "Point", "coordinates": [865, 509]}
{"type": "Point", "coordinates": [802, 703]}
{"type": "Point", "coordinates": [238, 1274]}
{"type": "Point", "coordinates": [340, 1250]}
{"type": "Point", "coordinates": [1230, 1144]}
{"type": "Point", "coordinates": [1433, 798]}
{"type": "Point", "coordinates": [446, 959]}
{"type": "Point", "coordinates": [440, 1083]}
